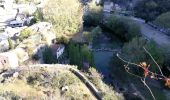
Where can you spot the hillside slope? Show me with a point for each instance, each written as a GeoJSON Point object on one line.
{"type": "Point", "coordinates": [56, 82]}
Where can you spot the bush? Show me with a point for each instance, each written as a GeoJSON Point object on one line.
{"type": "Point", "coordinates": [38, 15]}
{"type": "Point", "coordinates": [79, 54]}
{"type": "Point", "coordinates": [134, 52]}
{"type": "Point", "coordinates": [96, 32]}
{"type": "Point", "coordinates": [30, 51]}
{"type": "Point", "coordinates": [65, 15]}
{"type": "Point", "coordinates": [34, 79]}
{"type": "Point", "coordinates": [107, 92]}
{"type": "Point", "coordinates": [48, 57]}
{"type": "Point", "coordinates": [94, 16]}
{"type": "Point", "coordinates": [24, 34]}
{"type": "Point", "coordinates": [63, 39]}
{"type": "Point", "coordinates": [88, 37]}
{"type": "Point", "coordinates": [163, 20]}
{"type": "Point", "coordinates": [149, 10]}
{"type": "Point", "coordinates": [122, 27]}
{"type": "Point", "coordinates": [65, 79]}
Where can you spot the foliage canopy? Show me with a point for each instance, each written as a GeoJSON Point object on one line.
{"type": "Point", "coordinates": [65, 15]}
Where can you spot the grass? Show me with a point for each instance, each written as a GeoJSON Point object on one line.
{"type": "Point", "coordinates": [38, 86]}
{"type": "Point", "coordinates": [107, 92]}
{"type": "Point", "coordinates": [24, 88]}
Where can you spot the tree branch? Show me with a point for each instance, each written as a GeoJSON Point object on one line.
{"type": "Point", "coordinates": [153, 60]}
{"type": "Point", "coordinates": [144, 82]}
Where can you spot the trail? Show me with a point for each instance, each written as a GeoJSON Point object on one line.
{"type": "Point", "coordinates": [151, 33]}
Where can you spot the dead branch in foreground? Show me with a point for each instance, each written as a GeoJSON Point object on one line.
{"type": "Point", "coordinates": [146, 72]}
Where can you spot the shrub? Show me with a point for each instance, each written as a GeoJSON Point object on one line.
{"type": "Point", "coordinates": [48, 56]}
{"type": "Point", "coordinates": [38, 15]}
{"type": "Point", "coordinates": [88, 37]}
{"type": "Point", "coordinates": [96, 32]}
{"type": "Point", "coordinates": [34, 79]}
{"type": "Point", "coordinates": [106, 91]}
{"type": "Point", "coordinates": [64, 79]}
{"type": "Point", "coordinates": [134, 52]}
{"type": "Point", "coordinates": [24, 34]}
{"type": "Point", "coordinates": [163, 20]}
{"type": "Point", "coordinates": [79, 54]}
{"type": "Point", "coordinates": [63, 39]}
{"type": "Point", "coordinates": [30, 51]}
{"type": "Point", "coordinates": [94, 16]}
{"type": "Point", "coordinates": [122, 27]}
{"type": "Point", "coordinates": [149, 10]}
{"type": "Point", "coordinates": [65, 15]}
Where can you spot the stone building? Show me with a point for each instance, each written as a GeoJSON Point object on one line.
{"type": "Point", "coordinates": [57, 49]}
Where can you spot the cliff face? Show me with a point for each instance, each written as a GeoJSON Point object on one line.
{"type": "Point", "coordinates": [56, 82]}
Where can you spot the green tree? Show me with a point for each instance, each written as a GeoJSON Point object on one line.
{"type": "Point", "coordinates": [88, 37]}
{"type": "Point", "coordinates": [133, 31]}
{"type": "Point", "coordinates": [87, 55]}
{"type": "Point", "coordinates": [96, 32]}
{"type": "Point", "coordinates": [63, 39]}
{"type": "Point", "coordinates": [163, 20]}
{"type": "Point", "coordinates": [122, 27]}
{"type": "Point", "coordinates": [48, 56]}
{"type": "Point", "coordinates": [38, 15]}
{"type": "Point", "coordinates": [149, 10]}
{"type": "Point", "coordinates": [65, 15]}
{"type": "Point", "coordinates": [74, 54]}
{"type": "Point", "coordinates": [24, 34]}
{"type": "Point", "coordinates": [94, 15]}
{"type": "Point", "coordinates": [134, 52]}
{"type": "Point", "coordinates": [78, 54]}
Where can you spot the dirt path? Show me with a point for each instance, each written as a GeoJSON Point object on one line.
{"type": "Point", "coordinates": [151, 33]}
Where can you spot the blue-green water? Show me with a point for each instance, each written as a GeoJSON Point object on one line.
{"type": "Point", "coordinates": [102, 60]}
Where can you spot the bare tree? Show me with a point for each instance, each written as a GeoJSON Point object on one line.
{"type": "Point", "coordinates": [147, 73]}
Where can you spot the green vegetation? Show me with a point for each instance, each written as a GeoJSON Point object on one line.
{"type": "Point", "coordinates": [93, 35]}
{"type": "Point", "coordinates": [24, 34]}
{"type": "Point", "coordinates": [78, 54]}
{"type": "Point", "coordinates": [94, 15]}
{"type": "Point", "coordinates": [88, 37]}
{"type": "Point", "coordinates": [63, 39]}
{"type": "Point", "coordinates": [163, 20]}
{"type": "Point", "coordinates": [45, 84]}
{"type": "Point", "coordinates": [149, 10]}
{"type": "Point", "coordinates": [48, 56]}
{"type": "Point", "coordinates": [38, 16]}
{"type": "Point", "coordinates": [134, 52]}
{"type": "Point", "coordinates": [106, 91]}
{"type": "Point", "coordinates": [96, 32]}
{"type": "Point", "coordinates": [87, 55]}
{"type": "Point", "coordinates": [122, 27]}
{"type": "Point", "coordinates": [66, 16]}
